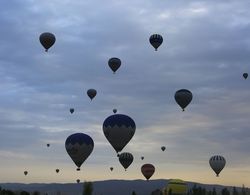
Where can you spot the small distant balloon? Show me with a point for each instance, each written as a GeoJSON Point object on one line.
{"type": "Point", "coordinates": [114, 64]}
{"type": "Point", "coordinates": [47, 40]}
{"type": "Point", "coordinates": [57, 170]}
{"type": "Point", "coordinates": [245, 75]}
{"type": "Point", "coordinates": [183, 97]}
{"type": "Point", "coordinates": [25, 172]}
{"type": "Point", "coordinates": [142, 157]}
{"type": "Point", "coordinates": [91, 93]}
{"type": "Point", "coordinates": [156, 40]}
{"type": "Point", "coordinates": [114, 111]}
{"type": "Point", "coordinates": [78, 180]}
{"type": "Point", "coordinates": [163, 148]}
{"type": "Point", "coordinates": [111, 168]}
{"type": "Point", "coordinates": [71, 110]}
{"type": "Point", "coordinates": [48, 145]}
{"type": "Point", "coordinates": [217, 163]}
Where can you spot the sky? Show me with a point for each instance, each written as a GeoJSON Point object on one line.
{"type": "Point", "coordinates": [205, 49]}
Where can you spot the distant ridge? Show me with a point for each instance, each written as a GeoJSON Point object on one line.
{"type": "Point", "coordinates": [106, 187]}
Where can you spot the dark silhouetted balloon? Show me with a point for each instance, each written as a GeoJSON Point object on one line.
{"type": "Point", "coordinates": [91, 93]}
{"type": "Point", "coordinates": [147, 170]}
{"type": "Point", "coordinates": [156, 40]}
{"type": "Point", "coordinates": [163, 148]}
{"type": "Point", "coordinates": [47, 40]}
{"type": "Point", "coordinates": [79, 146]}
{"type": "Point", "coordinates": [48, 145]}
{"type": "Point", "coordinates": [183, 97]}
{"type": "Point", "coordinates": [142, 157]}
{"type": "Point", "coordinates": [57, 170]}
{"type": "Point", "coordinates": [111, 168]}
{"type": "Point", "coordinates": [78, 180]}
{"type": "Point", "coordinates": [25, 172]}
{"type": "Point", "coordinates": [217, 163]}
{"type": "Point", "coordinates": [114, 111]}
{"type": "Point", "coordinates": [126, 159]}
{"type": "Point", "coordinates": [114, 64]}
{"type": "Point", "coordinates": [71, 110]}
{"type": "Point", "coordinates": [245, 75]}
{"type": "Point", "coordinates": [119, 129]}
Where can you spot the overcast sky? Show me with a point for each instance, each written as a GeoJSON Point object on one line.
{"type": "Point", "coordinates": [205, 49]}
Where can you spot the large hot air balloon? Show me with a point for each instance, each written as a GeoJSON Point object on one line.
{"type": "Point", "coordinates": [57, 170]}
{"type": "Point", "coordinates": [147, 170]}
{"type": "Point", "coordinates": [142, 157]}
{"type": "Point", "coordinates": [245, 75]}
{"type": "Point", "coordinates": [176, 187]}
{"type": "Point", "coordinates": [111, 168]}
{"type": "Point", "coordinates": [91, 93]}
{"type": "Point", "coordinates": [47, 40]}
{"type": "Point", "coordinates": [217, 163]}
{"type": "Point", "coordinates": [119, 129]}
{"type": "Point", "coordinates": [79, 146]}
{"type": "Point", "coordinates": [156, 40]}
{"type": "Point", "coordinates": [114, 110]}
{"type": "Point", "coordinates": [163, 148]}
{"type": "Point", "coordinates": [25, 172]}
{"type": "Point", "coordinates": [126, 159]}
{"type": "Point", "coordinates": [114, 64]}
{"type": "Point", "coordinates": [71, 110]}
{"type": "Point", "coordinates": [183, 97]}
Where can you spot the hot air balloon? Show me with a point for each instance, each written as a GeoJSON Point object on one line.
{"type": "Point", "coordinates": [142, 157]}
{"type": "Point", "coordinates": [147, 170]}
{"type": "Point", "coordinates": [48, 145]}
{"type": "Point", "coordinates": [119, 129]}
{"type": "Point", "coordinates": [25, 172]}
{"type": "Point", "coordinates": [71, 110]}
{"type": "Point", "coordinates": [78, 180]}
{"type": "Point", "coordinates": [79, 146]}
{"type": "Point", "coordinates": [163, 148]}
{"type": "Point", "coordinates": [126, 159]}
{"type": "Point", "coordinates": [156, 40]}
{"type": "Point", "coordinates": [245, 75]}
{"type": "Point", "coordinates": [91, 93]}
{"type": "Point", "coordinates": [111, 168]}
{"type": "Point", "coordinates": [176, 186]}
{"type": "Point", "coordinates": [114, 64]}
{"type": "Point", "coordinates": [114, 111]}
{"type": "Point", "coordinates": [47, 40]}
{"type": "Point", "coordinates": [183, 97]}
{"type": "Point", "coordinates": [217, 163]}
{"type": "Point", "coordinates": [57, 170]}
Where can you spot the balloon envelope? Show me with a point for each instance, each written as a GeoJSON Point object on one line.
{"type": "Point", "coordinates": [142, 157]}
{"type": "Point", "coordinates": [147, 170]}
{"type": "Point", "coordinates": [91, 93]}
{"type": "Point", "coordinates": [183, 97]}
{"type": "Point", "coordinates": [114, 111]}
{"type": "Point", "coordinates": [79, 146]}
{"type": "Point", "coordinates": [119, 129]}
{"type": "Point", "coordinates": [163, 148]}
{"type": "Point", "coordinates": [245, 75]}
{"type": "Point", "coordinates": [114, 64]}
{"type": "Point", "coordinates": [78, 180]}
{"type": "Point", "coordinates": [111, 168]}
{"type": "Point", "coordinates": [217, 163]}
{"type": "Point", "coordinates": [47, 40]}
{"type": "Point", "coordinates": [156, 40]}
{"type": "Point", "coordinates": [126, 159]}
{"type": "Point", "coordinates": [48, 145]}
{"type": "Point", "coordinates": [71, 110]}
{"type": "Point", "coordinates": [25, 172]}
{"type": "Point", "coordinates": [57, 170]}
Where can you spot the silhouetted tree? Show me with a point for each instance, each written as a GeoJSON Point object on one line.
{"type": "Point", "coordinates": [24, 193]}
{"type": "Point", "coordinates": [225, 191]}
{"type": "Point", "coordinates": [235, 192]}
{"type": "Point", "coordinates": [88, 188]}
{"type": "Point", "coordinates": [214, 192]}
{"type": "Point", "coordinates": [36, 193]}
{"type": "Point", "coordinates": [133, 193]}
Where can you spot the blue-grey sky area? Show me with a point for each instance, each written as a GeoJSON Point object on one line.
{"type": "Point", "coordinates": [205, 49]}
